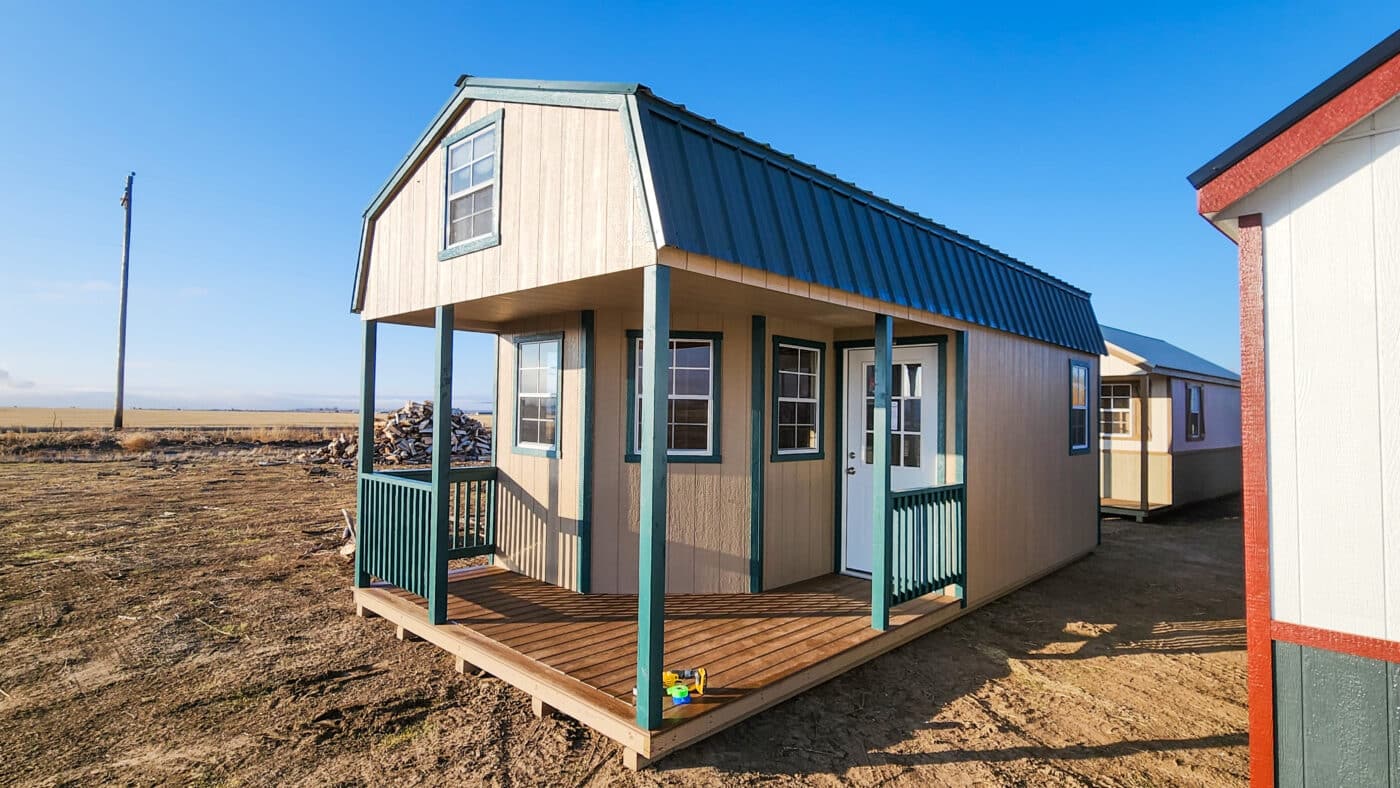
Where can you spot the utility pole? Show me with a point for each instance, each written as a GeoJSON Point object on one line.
{"type": "Point", "coordinates": [121, 315]}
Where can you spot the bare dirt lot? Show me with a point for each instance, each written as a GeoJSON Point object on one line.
{"type": "Point", "coordinates": [188, 621]}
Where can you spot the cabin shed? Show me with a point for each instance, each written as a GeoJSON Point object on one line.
{"type": "Point", "coordinates": [749, 417]}
{"type": "Point", "coordinates": [1169, 426]}
{"type": "Point", "coordinates": [1312, 198]}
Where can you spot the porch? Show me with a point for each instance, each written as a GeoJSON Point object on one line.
{"type": "Point", "coordinates": [577, 653]}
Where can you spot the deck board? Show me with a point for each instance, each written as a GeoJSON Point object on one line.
{"type": "Point", "coordinates": [755, 647]}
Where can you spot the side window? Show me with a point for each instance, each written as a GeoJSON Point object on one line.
{"type": "Point", "coordinates": [1117, 409]}
{"type": "Point", "coordinates": [798, 383]}
{"type": "Point", "coordinates": [1195, 412]}
{"type": "Point", "coordinates": [692, 408]}
{"type": "Point", "coordinates": [1078, 407]}
{"type": "Point", "coordinates": [471, 215]}
{"type": "Point", "coordinates": [537, 394]}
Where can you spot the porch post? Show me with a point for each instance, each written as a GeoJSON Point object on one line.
{"type": "Point", "coordinates": [880, 579]}
{"type": "Point", "coordinates": [364, 462]}
{"type": "Point", "coordinates": [651, 553]}
{"type": "Point", "coordinates": [442, 464]}
{"type": "Point", "coordinates": [961, 441]}
{"type": "Point", "coordinates": [1145, 462]}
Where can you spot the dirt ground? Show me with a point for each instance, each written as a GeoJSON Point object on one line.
{"type": "Point", "coordinates": [188, 622]}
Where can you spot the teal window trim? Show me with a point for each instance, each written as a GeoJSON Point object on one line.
{"type": "Point", "coordinates": [532, 449]}
{"type": "Point", "coordinates": [819, 453]}
{"type": "Point", "coordinates": [716, 340]}
{"type": "Point", "coordinates": [449, 251]}
{"type": "Point", "coordinates": [1075, 449]}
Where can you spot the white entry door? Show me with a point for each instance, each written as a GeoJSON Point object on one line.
{"type": "Point", "coordinates": [914, 403]}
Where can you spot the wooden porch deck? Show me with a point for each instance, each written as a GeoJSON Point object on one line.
{"type": "Point", "coordinates": [1126, 508]}
{"type": "Point", "coordinates": [577, 653]}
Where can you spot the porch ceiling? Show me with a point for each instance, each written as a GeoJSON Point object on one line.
{"type": "Point", "coordinates": [690, 292]}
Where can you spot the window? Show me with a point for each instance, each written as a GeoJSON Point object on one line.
{"type": "Point", "coordinates": [537, 394]}
{"type": "Point", "coordinates": [1195, 412]}
{"type": "Point", "coordinates": [1117, 404]}
{"type": "Point", "coordinates": [471, 221]}
{"type": "Point", "coordinates": [1078, 407]}
{"type": "Point", "coordinates": [692, 409]}
{"type": "Point", "coordinates": [906, 415]}
{"type": "Point", "coordinates": [798, 367]}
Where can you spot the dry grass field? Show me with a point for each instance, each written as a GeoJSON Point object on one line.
{"type": "Point", "coordinates": [187, 620]}
{"type": "Point", "coordinates": [141, 418]}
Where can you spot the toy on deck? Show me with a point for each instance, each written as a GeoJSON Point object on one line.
{"type": "Point", "coordinates": [675, 683]}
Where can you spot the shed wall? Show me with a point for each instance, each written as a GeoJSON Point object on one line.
{"type": "Point", "coordinates": [537, 512]}
{"type": "Point", "coordinates": [569, 208]}
{"type": "Point", "coordinates": [1332, 332]}
{"type": "Point", "coordinates": [1031, 505]}
{"type": "Point", "coordinates": [1222, 412]}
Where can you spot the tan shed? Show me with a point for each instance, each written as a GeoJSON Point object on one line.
{"type": "Point", "coordinates": [750, 417]}
{"type": "Point", "coordinates": [1169, 426]}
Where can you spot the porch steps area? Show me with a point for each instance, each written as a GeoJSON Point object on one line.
{"type": "Point", "coordinates": [577, 653]}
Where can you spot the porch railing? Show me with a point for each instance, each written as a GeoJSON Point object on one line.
{"type": "Point", "coordinates": [396, 529]}
{"type": "Point", "coordinates": [929, 542]}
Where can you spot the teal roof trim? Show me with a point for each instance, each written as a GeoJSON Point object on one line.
{"type": "Point", "coordinates": [1164, 356]}
{"type": "Point", "coordinates": [724, 195]}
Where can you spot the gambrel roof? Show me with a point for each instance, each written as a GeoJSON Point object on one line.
{"type": "Point", "coordinates": [713, 191]}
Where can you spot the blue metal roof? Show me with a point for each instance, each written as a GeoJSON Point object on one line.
{"type": "Point", "coordinates": [726, 196]}
{"type": "Point", "coordinates": [1164, 355]}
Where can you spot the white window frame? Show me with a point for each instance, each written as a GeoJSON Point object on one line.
{"type": "Point", "coordinates": [557, 395]}
{"type": "Point", "coordinates": [711, 426]}
{"type": "Point", "coordinates": [468, 135]}
{"type": "Point", "coordinates": [815, 401]}
{"type": "Point", "coordinates": [1131, 410]}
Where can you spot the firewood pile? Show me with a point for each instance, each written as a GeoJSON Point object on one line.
{"type": "Point", "coordinates": [406, 438]}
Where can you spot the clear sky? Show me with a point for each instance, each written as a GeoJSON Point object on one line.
{"type": "Point", "coordinates": [259, 132]}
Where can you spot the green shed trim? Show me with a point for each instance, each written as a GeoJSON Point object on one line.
{"type": "Point", "coordinates": [651, 538]}
{"type": "Point", "coordinates": [756, 500]}
{"type": "Point", "coordinates": [820, 452]}
{"type": "Point", "coordinates": [493, 238]}
{"type": "Point", "coordinates": [716, 339]}
{"type": "Point", "coordinates": [537, 451]}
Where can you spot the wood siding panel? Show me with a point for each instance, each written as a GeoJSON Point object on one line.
{"type": "Point", "coordinates": [568, 206]}
{"type": "Point", "coordinates": [707, 503]}
{"type": "Point", "coordinates": [1121, 475]}
{"type": "Point", "coordinates": [1222, 412]}
{"type": "Point", "coordinates": [1030, 505]}
{"type": "Point", "coordinates": [1331, 284]}
{"type": "Point", "coordinates": [1203, 475]}
{"type": "Point", "coordinates": [1387, 286]}
{"type": "Point", "coordinates": [537, 497]}
{"type": "Point", "coordinates": [798, 519]}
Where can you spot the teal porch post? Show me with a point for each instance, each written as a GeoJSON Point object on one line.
{"type": "Point", "coordinates": [651, 553]}
{"type": "Point", "coordinates": [442, 464]}
{"type": "Point", "coordinates": [880, 575]}
{"type": "Point", "coordinates": [364, 462]}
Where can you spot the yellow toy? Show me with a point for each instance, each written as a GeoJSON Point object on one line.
{"type": "Point", "coordinates": [677, 678]}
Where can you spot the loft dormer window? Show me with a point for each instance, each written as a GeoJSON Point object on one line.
{"type": "Point", "coordinates": [471, 187]}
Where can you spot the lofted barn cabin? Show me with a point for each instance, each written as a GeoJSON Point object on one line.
{"type": "Point", "coordinates": [1169, 426]}
{"type": "Point", "coordinates": [749, 417]}
{"type": "Point", "coordinates": [1312, 199]}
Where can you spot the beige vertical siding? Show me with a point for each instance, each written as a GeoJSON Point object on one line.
{"type": "Point", "coordinates": [1122, 476]}
{"type": "Point", "coordinates": [798, 519]}
{"type": "Point", "coordinates": [707, 547]}
{"type": "Point", "coordinates": [569, 205]}
{"type": "Point", "coordinates": [1030, 504]}
{"type": "Point", "coordinates": [537, 497]}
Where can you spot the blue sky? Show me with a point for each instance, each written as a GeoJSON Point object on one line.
{"type": "Point", "coordinates": [258, 134]}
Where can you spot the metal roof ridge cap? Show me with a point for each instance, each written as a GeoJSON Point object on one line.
{"type": "Point", "coordinates": [883, 204]}
{"type": "Point", "coordinates": [558, 86]}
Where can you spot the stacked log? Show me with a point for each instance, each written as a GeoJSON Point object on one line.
{"type": "Point", "coordinates": [405, 437]}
